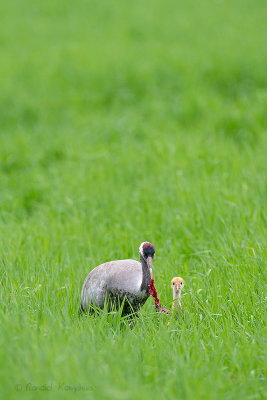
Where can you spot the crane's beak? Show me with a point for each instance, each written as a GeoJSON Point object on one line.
{"type": "Point", "coordinates": [149, 261]}
{"type": "Point", "coordinates": [178, 288]}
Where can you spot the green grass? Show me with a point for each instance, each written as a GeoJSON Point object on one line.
{"type": "Point", "coordinates": [122, 122]}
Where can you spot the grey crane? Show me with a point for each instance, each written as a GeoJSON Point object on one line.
{"type": "Point", "coordinates": [118, 281]}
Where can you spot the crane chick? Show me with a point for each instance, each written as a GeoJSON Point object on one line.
{"type": "Point", "coordinates": [177, 285]}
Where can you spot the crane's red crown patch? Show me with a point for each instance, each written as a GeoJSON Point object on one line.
{"type": "Point", "coordinates": [147, 245]}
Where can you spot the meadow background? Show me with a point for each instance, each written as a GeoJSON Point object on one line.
{"type": "Point", "coordinates": [122, 122]}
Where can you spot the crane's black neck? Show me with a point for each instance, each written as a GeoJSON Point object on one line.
{"type": "Point", "coordinates": [146, 277]}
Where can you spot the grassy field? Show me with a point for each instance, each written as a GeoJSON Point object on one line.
{"type": "Point", "coordinates": [122, 122]}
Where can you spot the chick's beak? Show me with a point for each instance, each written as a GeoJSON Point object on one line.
{"type": "Point", "coordinates": [149, 261]}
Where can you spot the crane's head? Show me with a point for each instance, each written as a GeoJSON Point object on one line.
{"type": "Point", "coordinates": [177, 284]}
{"type": "Point", "coordinates": [147, 251]}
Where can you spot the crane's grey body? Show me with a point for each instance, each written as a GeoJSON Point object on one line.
{"type": "Point", "coordinates": [116, 281]}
